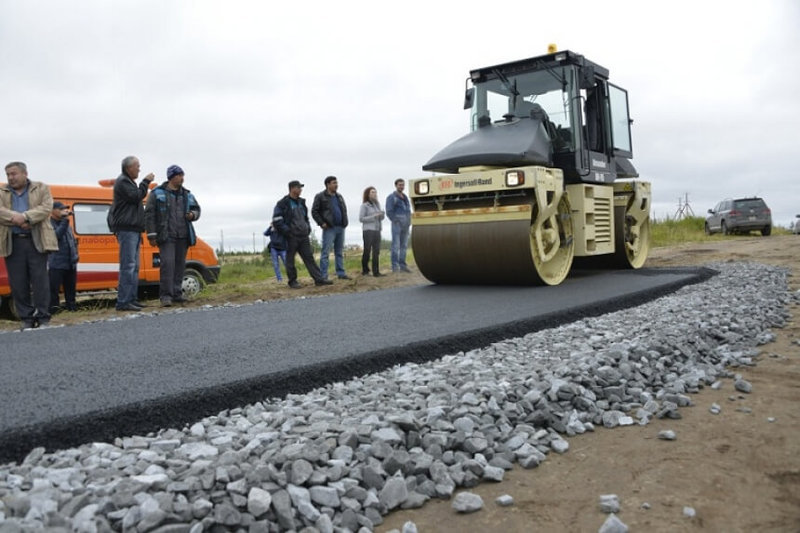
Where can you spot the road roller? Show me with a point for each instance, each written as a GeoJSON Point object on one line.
{"type": "Point", "coordinates": [543, 178]}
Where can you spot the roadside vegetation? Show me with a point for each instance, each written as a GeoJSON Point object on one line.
{"type": "Point", "coordinates": [669, 232]}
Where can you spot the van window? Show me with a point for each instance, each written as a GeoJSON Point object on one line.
{"type": "Point", "coordinates": [90, 219]}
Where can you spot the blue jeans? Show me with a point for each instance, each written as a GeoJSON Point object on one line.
{"type": "Point", "coordinates": [400, 230]}
{"type": "Point", "coordinates": [275, 255]}
{"type": "Point", "coordinates": [128, 285]}
{"type": "Point", "coordinates": [335, 236]}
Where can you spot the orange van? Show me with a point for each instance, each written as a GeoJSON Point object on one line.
{"type": "Point", "coordinates": [98, 268]}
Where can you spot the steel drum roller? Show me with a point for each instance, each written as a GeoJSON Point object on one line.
{"type": "Point", "coordinates": [495, 252]}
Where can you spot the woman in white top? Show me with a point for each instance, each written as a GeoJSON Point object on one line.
{"type": "Point", "coordinates": [370, 216]}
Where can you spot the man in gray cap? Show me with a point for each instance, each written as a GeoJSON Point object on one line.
{"type": "Point", "coordinates": [290, 218]}
{"type": "Point", "coordinates": [169, 214]}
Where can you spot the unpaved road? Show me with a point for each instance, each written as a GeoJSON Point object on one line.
{"type": "Point", "coordinates": [739, 471]}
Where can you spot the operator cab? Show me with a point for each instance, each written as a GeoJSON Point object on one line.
{"type": "Point", "coordinates": [557, 110]}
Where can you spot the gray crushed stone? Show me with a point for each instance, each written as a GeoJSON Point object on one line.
{"type": "Point", "coordinates": [667, 434]}
{"type": "Point", "coordinates": [340, 457]}
{"type": "Point", "coordinates": [613, 525]}
{"type": "Point", "coordinates": [609, 503]}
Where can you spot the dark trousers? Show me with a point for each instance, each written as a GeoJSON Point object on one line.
{"type": "Point", "coordinates": [66, 277]}
{"type": "Point", "coordinates": [372, 246]}
{"type": "Point", "coordinates": [173, 263]}
{"type": "Point", "coordinates": [27, 273]}
{"type": "Point", "coordinates": [302, 246]}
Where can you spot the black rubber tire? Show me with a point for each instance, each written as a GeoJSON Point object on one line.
{"type": "Point", "coordinates": [725, 229]}
{"type": "Point", "coordinates": [766, 231]}
{"type": "Point", "coordinates": [707, 229]}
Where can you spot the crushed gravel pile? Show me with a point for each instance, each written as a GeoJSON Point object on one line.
{"type": "Point", "coordinates": [341, 457]}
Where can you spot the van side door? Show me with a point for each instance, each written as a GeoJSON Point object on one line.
{"type": "Point", "coordinates": [98, 251]}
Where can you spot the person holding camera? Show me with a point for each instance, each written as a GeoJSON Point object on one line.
{"type": "Point", "coordinates": [63, 263]}
{"type": "Point", "coordinates": [168, 217]}
{"type": "Point", "coordinates": [126, 221]}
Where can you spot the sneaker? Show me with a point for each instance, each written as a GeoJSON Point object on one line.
{"type": "Point", "coordinates": [345, 276]}
{"type": "Point", "coordinates": [378, 275]}
{"type": "Point", "coordinates": [166, 302]}
{"type": "Point", "coordinates": [294, 285]}
{"type": "Point", "coordinates": [405, 269]}
{"type": "Point", "coordinates": [323, 282]}
{"type": "Point", "coordinates": [365, 273]}
{"type": "Point", "coordinates": [128, 307]}
{"type": "Point", "coordinates": [179, 300]}
{"type": "Point", "coordinates": [42, 322]}
{"type": "Point", "coordinates": [27, 324]}
{"type": "Point", "coordinates": [137, 303]}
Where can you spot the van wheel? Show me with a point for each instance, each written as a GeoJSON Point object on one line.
{"type": "Point", "coordinates": [12, 309]}
{"type": "Point", "coordinates": [707, 229]}
{"type": "Point", "coordinates": [725, 229]}
{"type": "Point", "coordinates": [192, 282]}
{"type": "Point", "coordinates": [766, 231]}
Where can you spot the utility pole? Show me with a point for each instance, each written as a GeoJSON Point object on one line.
{"type": "Point", "coordinates": [684, 209]}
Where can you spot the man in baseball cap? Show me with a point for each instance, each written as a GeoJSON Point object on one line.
{"type": "Point", "coordinates": [169, 214]}
{"type": "Point", "coordinates": [290, 218]}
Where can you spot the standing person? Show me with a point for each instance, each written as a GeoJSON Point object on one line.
{"type": "Point", "coordinates": [370, 216]}
{"type": "Point", "coordinates": [330, 213]}
{"type": "Point", "coordinates": [126, 221]}
{"type": "Point", "coordinates": [169, 214]}
{"type": "Point", "coordinates": [290, 218]}
{"type": "Point", "coordinates": [63, 263]}
{"type": "Point", "coordinates": [398, 209]}
{"type": "Point", "coordinates": [277, 250]}
{"type": "Point", "coordinates": [26, 237]}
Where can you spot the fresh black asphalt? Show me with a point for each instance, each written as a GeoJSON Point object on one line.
{"type": "Point", "coordinates": [65, 386]}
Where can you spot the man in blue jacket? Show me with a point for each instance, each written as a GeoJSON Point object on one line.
{"type": "Point", "coordinates": [63, 264]}
{"type": "Point", "coordinates": [169, 214]}
{"type": "Point", "coordinates": [398, 210]}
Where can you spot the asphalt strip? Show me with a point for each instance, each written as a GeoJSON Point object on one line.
{"type": "Point", "coordinates": [187, 406]}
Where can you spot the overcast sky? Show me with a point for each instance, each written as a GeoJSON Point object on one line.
{"type": "Point", "coordinates": [247, 95]}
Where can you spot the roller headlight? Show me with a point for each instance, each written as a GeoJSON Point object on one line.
{"type": "Point", "coordinates": [422, 187]}
{"type": "Point", "coordinates": [515, 178]}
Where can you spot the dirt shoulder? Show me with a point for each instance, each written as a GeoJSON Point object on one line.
{"type": "Point", "coordinates": [739, 470]}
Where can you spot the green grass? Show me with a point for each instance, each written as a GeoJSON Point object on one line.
{"type": "Point", "coordinates": [241, 272]}
{"type": "Point", "coordinates": [691, 229]}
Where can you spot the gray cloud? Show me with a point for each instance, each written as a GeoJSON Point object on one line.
{"type": "Point", "coordinates": [248, 95]}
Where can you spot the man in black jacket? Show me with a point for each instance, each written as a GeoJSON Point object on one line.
{"type": "Point", "coordinates": [126, 221]}
{"type": "Point", "coordinates": [330, 213]}
{"type": "Point", "coordinates": [290, 218]}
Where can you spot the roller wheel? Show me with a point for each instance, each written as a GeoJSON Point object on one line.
{"type": "Point", "coordinates": [553, 244]}
{"type": "Point", "coordinates": [632, 234]}
{"type": "Point", "coordinates": [536, 248]}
